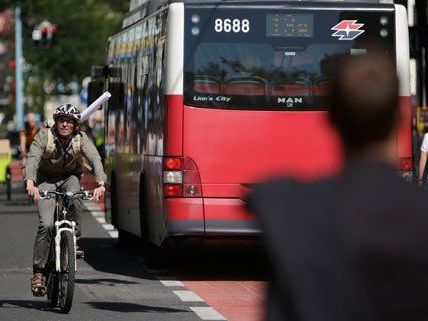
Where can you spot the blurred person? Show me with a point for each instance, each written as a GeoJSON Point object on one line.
{"type": "Point", "coordinates": [423, 160]}
{"type": "Point", "coordinates": [54, 162]}
{"type": "Point", "coordinates": [354, 246]}
{"type": "Point", "coordinates": [26, 136]}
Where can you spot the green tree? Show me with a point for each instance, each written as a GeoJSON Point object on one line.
{"type": "Point", "coordinates": [83, 28]}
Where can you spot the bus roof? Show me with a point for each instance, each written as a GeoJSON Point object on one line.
{"type": "Point", "coordinates": [142, 8]}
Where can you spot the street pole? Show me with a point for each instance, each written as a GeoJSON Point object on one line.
{"type": "Point", "coordinates": [18, 70]}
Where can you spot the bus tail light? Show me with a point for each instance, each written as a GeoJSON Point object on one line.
{"type": "Point", "coordinates": [181, 178]}
{"type": "Point", "coordinates": [173, 163]}
{"type": "Point", "coordinates": [173, 190]}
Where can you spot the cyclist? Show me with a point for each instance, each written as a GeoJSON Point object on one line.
{"type": "Point", "coordinates": [55, 161]}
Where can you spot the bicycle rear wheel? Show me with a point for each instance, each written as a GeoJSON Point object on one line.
{"type": "Point", "coordinates": [67, 274]}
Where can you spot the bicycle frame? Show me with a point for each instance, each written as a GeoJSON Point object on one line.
{"type": "Point", "coordinates": [63, 202]}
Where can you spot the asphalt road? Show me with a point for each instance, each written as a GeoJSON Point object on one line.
{"type": "Point", "coordinates": [112, 284]}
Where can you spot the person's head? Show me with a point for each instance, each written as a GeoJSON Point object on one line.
{"type": "Point", "coordinates": [364, 101]}
{"type": "Point", "coordinates": [66, 119]}
{"type": "Point", "coordinates": [31, 119]}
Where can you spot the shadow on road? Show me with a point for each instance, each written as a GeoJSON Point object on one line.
{"type": "Point", "coordinates": [218, 263]}
{"type": "Point", "coordinates": [131, 307]}
{"type": "Point", "coordinates": [27, 304]}
{"type": "Point", "coordinates": [105, 256]}
{"type": "Point", "coordinates": [106, 281]}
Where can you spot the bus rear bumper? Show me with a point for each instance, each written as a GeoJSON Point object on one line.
{"type": "Point", "coordinates": [217, 217]}
{"type": "Point", "coordinates": [232, 228]}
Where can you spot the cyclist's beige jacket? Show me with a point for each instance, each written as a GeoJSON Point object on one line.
{"type": "Point", "coordinates": [63, 161]}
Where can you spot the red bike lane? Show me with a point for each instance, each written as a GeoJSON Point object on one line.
{"type": "Point", "coordinates": [235, 300]}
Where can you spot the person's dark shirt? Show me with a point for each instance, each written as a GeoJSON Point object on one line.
{"type": "Point", "coordinates": [354, 247]}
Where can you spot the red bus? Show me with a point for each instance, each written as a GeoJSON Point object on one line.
{"type": "Point", "coordinates": [210, 97]}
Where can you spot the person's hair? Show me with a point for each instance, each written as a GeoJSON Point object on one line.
{"type": "Point", "coordinates": [364, 99]}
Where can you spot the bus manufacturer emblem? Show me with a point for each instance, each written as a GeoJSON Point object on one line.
{"type": "Point", "coordinates": [348, 30]}
{"type": "Point", "coordinates": [290, 101]}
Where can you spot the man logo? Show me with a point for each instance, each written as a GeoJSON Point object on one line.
{"type": "Point", "coordinates": [290, 101]}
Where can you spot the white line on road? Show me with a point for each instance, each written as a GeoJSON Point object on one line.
{"type": "Point", "coordinates": [98, 214]}
{"type": "Point", "coordinates": [171, 283]}
{"type": "Point", "coordinates": [114, 234]}
{"type": "Point", "coordinates": [108, 227]}
{"type": "Point", "coordinates": [188, 296]}
{"type": "Point", "coordinates": [101, 220]}
{"type": "Point", "coordinates": [207, 313]}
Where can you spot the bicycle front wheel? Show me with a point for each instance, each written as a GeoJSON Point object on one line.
{"type": "Point", "coordinates": [68, 271]}
{"type": "Point", "coordinates": [52, 287]}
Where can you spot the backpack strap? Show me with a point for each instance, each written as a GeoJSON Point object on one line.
{"type": "Point", "coordinates": [75, 144]}
{"type": "Point", "coordinates": [50, 146]}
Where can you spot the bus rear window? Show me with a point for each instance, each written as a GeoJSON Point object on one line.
{"type": "Point", "coordinates": [289, 69]}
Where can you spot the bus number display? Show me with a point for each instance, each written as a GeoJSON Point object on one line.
{"type": "Point", "coordinates": [232, 25]}
{"type": "Point", "coordinates": [289, 25]}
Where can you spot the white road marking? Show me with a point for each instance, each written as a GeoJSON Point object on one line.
{"type": "Point", "coordinates": [114, 234]}
{"type": "Point", "coordinates": [207, 313]}
{"type": "Point", "coordinates": [171, 283]}
{"type": "Point", "coordinates": [188, 296]}
{"type": "Point", "coordinates": [99, 215]}
{"type": "Point", "coordinates": [108, 227]}
{"type": "Point", "coordinates": [101, 220]}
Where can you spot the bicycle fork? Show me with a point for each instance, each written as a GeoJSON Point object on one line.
{"type": "Point", "coordinates": [58, 241]}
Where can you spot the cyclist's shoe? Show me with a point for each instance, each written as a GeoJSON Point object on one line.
{"type": "Point", "coordinates": [38, 284]}
{"type": "Point", "coordinates": [80, 253]}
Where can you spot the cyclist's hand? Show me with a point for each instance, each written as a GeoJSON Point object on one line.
{"type": "Point", "coordinates": [32, 190]}
{"type": "Point", "coordinates": [99, 192]}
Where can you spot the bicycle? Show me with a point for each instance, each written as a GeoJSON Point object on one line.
{"type": "Point", "coordinates": [61, 266]}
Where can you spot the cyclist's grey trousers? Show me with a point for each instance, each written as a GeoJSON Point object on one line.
{"type": "Point", "coordinates": [46, 217]}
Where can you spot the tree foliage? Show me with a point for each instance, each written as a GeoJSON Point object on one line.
{"type": "Point", "coordinates": [83, 28]}
{"type": "Point", "coordinates": [80, 41]}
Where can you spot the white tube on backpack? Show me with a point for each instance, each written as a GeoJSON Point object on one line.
{"type": "Point", "coordinates": [94, 106]}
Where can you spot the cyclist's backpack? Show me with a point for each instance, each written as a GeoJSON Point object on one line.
{"type": "Point", "coordinates": [75, 145]}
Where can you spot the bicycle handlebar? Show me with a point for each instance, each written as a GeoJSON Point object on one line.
{"type": "Point", "coordinates": [82, 194]}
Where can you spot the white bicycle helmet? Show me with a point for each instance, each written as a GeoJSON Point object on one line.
{"type": "Point", "coordinates": [67, 110]}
